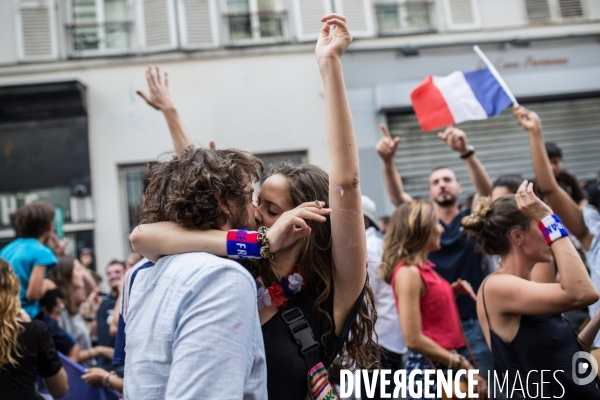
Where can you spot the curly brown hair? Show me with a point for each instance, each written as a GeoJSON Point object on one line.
{"type": "Point", "coordinates": [307, 183]}
{"type": "Point", "coordinates": [9, 306]}
{"type": "Point", "coordinates": [185, 188]}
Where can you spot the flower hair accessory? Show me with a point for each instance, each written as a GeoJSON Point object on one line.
{"type": "Point", "coordinates": [280, 292]}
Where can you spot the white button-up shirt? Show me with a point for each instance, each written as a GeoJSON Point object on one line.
{"type": "Point", "coordinates": [193, 332]}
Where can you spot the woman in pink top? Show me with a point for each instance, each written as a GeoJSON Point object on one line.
{"type": "Point", "coordinates": [425, 301]}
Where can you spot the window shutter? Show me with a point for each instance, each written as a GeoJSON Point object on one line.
{"type": "Point", "coordinates": [359, 15]}
{"type": "Point", "coordinates": [156, 25]}
{"type": "Point", "coordinates": [307, 18]}
{"type": "Point", "coordinates": [462, 14]}
{"type": "Point", "coordinates": [537, 10]}
{"type": "Point", "coordinates": [36, 30]}
{"type": "Point", "coordinates": [198, 24]}
{"type": "Point", "coordinates": [570, 8]}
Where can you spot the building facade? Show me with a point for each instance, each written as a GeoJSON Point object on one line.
{"type": "Point", "coordinates": [243, 73]}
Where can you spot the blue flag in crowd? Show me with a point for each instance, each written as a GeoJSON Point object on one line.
{"type": "Point", "coordinates": [78, 389]}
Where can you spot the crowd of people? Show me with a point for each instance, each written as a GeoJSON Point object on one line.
{"type": "Point", "coordinates": [270, 295]}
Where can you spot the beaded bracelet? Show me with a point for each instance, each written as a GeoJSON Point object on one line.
{"type": "Point", "coordinates": [552, 228]}
{"type": "Point", "coordinates": [264, 240]}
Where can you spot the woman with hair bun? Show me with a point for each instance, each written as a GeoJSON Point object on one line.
{"type": "Point", "coordinates": [425, 301]}
{"type": "Point", "coordinates": [521, 319]}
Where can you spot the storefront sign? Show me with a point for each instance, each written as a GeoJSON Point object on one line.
{"type": "Point", "coordinates": [527, 62]}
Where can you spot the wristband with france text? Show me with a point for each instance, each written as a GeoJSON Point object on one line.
{"type": "Point", "coordinates": [243, 244]}
{"type": "Point", "coordinates": [552, 228]}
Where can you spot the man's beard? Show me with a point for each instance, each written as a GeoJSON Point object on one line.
{"type": "Point", "coordinates": [241, 220]}
{"type": "Point", "coordinates": [446, 202]}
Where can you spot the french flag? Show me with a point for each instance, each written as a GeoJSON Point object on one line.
{"type": "Point", "coordinates": [461, 96]}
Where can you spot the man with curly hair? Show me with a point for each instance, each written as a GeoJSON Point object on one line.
{"type": "Point", "coordinates": [191, 321]}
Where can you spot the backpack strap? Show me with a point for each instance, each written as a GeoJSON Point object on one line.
{"type": "Point", "coordinates": [349, 322]}
{"type": "Point", "coordinates": [302, 332]}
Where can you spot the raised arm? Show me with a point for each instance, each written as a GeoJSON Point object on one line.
{"type": "Point", "coordinates": [160, 99]}
{"type": "Point", "coordinates": [386, 149]}
{"type": "Point", "coordinates": [456, 139]}
{"type": "Point", "coordinates": [554, 195]}
{"type": "Point", "coordinates": [347, 223]}
{"type": "Point", "coordinates": [514, 295]}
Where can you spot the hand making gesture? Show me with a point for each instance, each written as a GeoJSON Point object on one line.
{"type": "Point", "coordinates": [332, 42]}
{"type": "Point", "coordinates": [456, 139]}
{"type": "Point", "coordinates": [387, 146]}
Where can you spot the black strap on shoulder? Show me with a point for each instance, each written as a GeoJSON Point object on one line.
{"type": "Point", "coordinates": [302, 332]}
{"type": "Point", "coordinates": [349, 322]}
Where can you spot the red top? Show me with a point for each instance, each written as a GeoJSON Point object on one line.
{"type": "Point", "coordinates": [439, 314]}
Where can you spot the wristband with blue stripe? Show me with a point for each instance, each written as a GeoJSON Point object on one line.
{"type": "Point", "coordinates": [552, 228]}
{"type": "Point", "coordinates": [243, 244]}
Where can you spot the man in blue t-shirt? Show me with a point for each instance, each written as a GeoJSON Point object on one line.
{"type": "Point", "coordinates": [29, 256]}
{"type": "Point", "coordinates": [458, 258]}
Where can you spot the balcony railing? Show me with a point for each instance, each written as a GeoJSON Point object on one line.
{"type": "Point", "coordinates": [404, 18]}
{"type": "Point", "coordinates": [105, 38]}
{"type": "Point", "coordinates": [265, 26]}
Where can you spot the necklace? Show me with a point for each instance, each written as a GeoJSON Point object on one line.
{"type": "Point", "coordinates": [280, 292]}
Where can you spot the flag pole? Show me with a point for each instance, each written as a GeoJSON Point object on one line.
{"type": "Point", "coordinates": [494, 72]}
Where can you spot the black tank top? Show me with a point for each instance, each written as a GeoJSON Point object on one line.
{"type": "Point", "coordinates": [543, 342]}
{"type": "Point", "coordinates": [286, 369]}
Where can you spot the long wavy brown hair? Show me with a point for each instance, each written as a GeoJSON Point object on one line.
{"type": "Point", "coordinates": [408, 235]}
{"type": "Point", "coordinates": [183, 189]}
{"type": "Point", "coordinates": [62, 275]}
{"type": "Point", "coordinates": [307, 183]}
{"type": "Point", "coordinates": [9, 307]}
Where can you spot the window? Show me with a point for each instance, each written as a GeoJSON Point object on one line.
{"type": "Point", "coordinates": [103, 26]}
{"type": "Point", "coordinates": [255, 20]}
{"type": "Point", "coordinates": [547, 11]}
{"type": "Point", "coordinates": [272, 159]}
{"type": "Point", "coordinates": [394, 17]}
{"type": "Point", "coordinates": [132, 183]}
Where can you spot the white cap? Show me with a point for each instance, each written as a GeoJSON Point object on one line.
{"type": "Point", "coordinates": [370, 210]}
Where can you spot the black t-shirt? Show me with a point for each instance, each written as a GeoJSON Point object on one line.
{"type": "Point", "coordinates": [103, 319]}
{"type": "Point", "coordinates": [37, 356]}
{"type": "Point", "coordinates": [570, 184]}
{"type": "Point", "coordinates": [62, 340]}
{"type": "Point", "coordinates": [459, 258]}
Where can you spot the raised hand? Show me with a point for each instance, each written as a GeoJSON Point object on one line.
{"type": "Point", "coordinates": [160, 95]}
{"type": "Point", "coordinates": [456, 139]}
{"type": "Point", "coordinates": [332, 42]}
{"type": "Point", "coordinates": [58, 246]}
{"type": "Point", "coordinates": [291, 225]}
{"type": "Point", "coordinates": [529, 203]}
{"type": "Point", "coordinates": [387, 146]}
{"type": "Point", "coordinates": [527, 118]}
